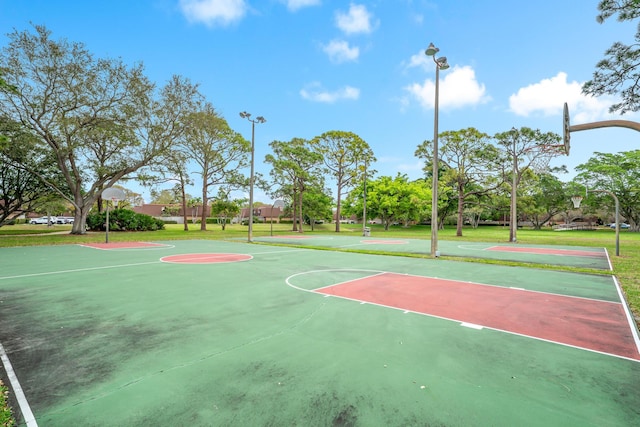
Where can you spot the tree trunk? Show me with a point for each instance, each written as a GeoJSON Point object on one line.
{"type": "Point", "coordinates": [185, 216]}
{"type": "Point", "coordinates": [300, 211]}
{"type": "Point", "coordinates": [338, 207]}
{"type": "Point", "coordinates": [294, 215]}
{"type": "Point", "coordinates": [80, 220]}
{"type": "Point", "coordinates": [460, 213]}
{"type": "Point", "coordinates": [205, 201]}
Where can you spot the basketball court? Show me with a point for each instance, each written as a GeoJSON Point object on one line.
{"type": "Point", "coordinates": [580, 257]}
{"type": "Point", "coordinates": [228, 333]}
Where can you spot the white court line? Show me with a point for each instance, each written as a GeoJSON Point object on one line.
{"type": "Point", "coordinates": [632, 324]}
{"type": "Point", "coordinates": [317, 291]}
{"type": "Point", "coordinates": [47, 273]}
{"type": "Point", "coordinates": [471, 325]}
{"type": "Point", "coordinates": [479, 327]}
{"type": "Point", "coordinates": [78, 270]}
{"type": "Point", "coordinates": [27, 415]}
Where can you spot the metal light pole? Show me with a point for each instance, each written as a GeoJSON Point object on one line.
{"type": "Point", "coordinates": [513, 222]}
{"type": "Point", "coordinates": [258, 119]}
{"type": "Point", "coordinates": [441, 64]}
{"type": "Point", "coordinates": [364, 202]}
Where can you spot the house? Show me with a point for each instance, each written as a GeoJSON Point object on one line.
{"type": "Point", "coordinates": [263, 213]}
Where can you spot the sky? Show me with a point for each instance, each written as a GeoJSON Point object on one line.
{"type": "Point", "coordinates": [312, 66]}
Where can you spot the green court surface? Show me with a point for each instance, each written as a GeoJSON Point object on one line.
{"type": "Point", "coordinates": [213, 333]}
{"type": "Point", "coordinates": [583, 257]}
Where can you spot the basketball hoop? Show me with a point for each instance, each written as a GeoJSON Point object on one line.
{"type": "Point", "coordinates": [115, 195]}
{"type": "Point", "coordinates": [576, 201]}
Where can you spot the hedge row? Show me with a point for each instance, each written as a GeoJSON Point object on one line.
{"type": "Point", "coordinates": [123, 220]}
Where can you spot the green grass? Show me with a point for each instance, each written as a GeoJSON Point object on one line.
{"type": "Point", "coordinates": [625, 265]}
{"type": "Point", "coordinates": [6, 420]}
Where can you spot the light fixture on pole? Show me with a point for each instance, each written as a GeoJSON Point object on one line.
{"type": "Point", "coordinates": [441, 64]}
{"type": "Point", "coordinates": [258, 119]}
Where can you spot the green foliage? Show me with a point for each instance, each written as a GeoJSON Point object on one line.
{"type": "Point", "coordinates": [345, 155]}
{"type": "Point", "coordinates": [617, 173]}
{"type": "Point", "coordinates": [101, 120]}
{"type": "Point", "coordinates": [123, 220]}
{"type": "Point", "coordinates": [21, 189]}
{"type": "Point", "coordinates": [391, 200]}
{"type": "Point", "coordinates": [542, 197]}
{"type": "Point", "coordinates": [469, 168]}
{"type": "Point", "coordinates": [6, 420]}
{"type": "Point", "coordinates": [618, 73]}
{"type": "Point", "coordinates": [295, 171]}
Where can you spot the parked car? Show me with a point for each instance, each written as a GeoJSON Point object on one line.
{"type": "Point", "coordinates": [64, 220]}
{"type": "Point", "coordinates": [44, 220]}
{"type": "Point", "coordinates": [622, 225]}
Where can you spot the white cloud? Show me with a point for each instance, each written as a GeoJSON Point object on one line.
{"type": "Point", "coordinates": [357, 20]}
{"type": "Point", "coordinates": [416, 166]}
{"type": "Point", "coordinates": [315, 92]}
{"type": "Point", "coordinates": [548, 96]}
{"type": "Point", "coordinates": [213, 12]}
{"type": "Point", "coordinates": [339, 51]}
{"type": "Point", "coordinates": [294, 5]}
{"type": "Point", "coordinates": [458, 88]}
{"type": "Point", "coordinates": [420, 60]}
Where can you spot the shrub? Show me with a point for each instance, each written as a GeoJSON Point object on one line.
{"type": "Point", "coordinates": [123, 220]}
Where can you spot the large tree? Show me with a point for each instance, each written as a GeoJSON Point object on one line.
{"type": "Point", "coordinates": [20, 190]}
{"type": "Point", "coordinates": [316, 205]}
{"type": "Point", "coordinates": [98, 118]}
{"type": "Point", "coordinates": [619, 72]}
{"type": "Point", "coordinates": [345, 155]}
{"type": "Point", "coordinates": [469, 160]}
{"type": "Point", "coordinates": [218, 151]}
{"type": "Point", "coordinates": [391, 200]}
{"type": "Point", "coordinates": [543, 196]}
{"type": "Point", "coordinates": [170, 167]}
{"type": "Point", "coordinates": [295, 169]}
{"type": "Point", "coordinates": [616, 173]}
{"type": "Point", "coordinates": [525, 150]}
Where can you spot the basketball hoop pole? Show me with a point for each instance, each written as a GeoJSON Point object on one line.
{"type": "Point", "coordinates": [115, 195]}
{"type": "Point", "coordinates": [106, 236]}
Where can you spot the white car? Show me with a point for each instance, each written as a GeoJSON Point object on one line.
{"type": "Point", "coordinates": [44, 220]}
{"type": "Point", "coordinates": [622, 225]}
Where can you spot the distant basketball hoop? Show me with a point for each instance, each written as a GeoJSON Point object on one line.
{"type": "Point", "coordinates": [576, 201]}
{"type": "Point", "coordinates": [115, 195]}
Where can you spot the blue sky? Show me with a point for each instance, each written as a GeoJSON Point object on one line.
{"type": "Point", "coordinates": [310, 66]}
